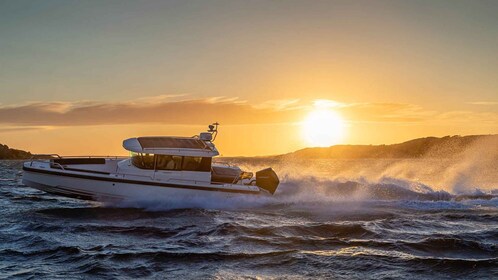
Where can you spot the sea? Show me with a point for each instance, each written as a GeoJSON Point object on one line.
{"type": "Point", "coordinates": [329, 219]}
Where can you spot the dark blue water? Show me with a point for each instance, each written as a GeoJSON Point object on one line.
{"type": "Point", "coordinates": [391, 233]}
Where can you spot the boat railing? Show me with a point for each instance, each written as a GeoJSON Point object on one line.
{"type": "Point", "coordinates": [44, 157]}
{"type": "Point", "coordinates": [58, 165]}
{"type": "Point", "coordinates": [56, 156]}
{"type": "Point", "coordinates": [106, 157]}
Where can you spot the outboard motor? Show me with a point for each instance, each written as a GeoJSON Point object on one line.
{"type": "Point", "coordinates": [267, 179]}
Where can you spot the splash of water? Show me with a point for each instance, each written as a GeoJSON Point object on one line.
{"type": "Point", "coordinates": [331, 181]}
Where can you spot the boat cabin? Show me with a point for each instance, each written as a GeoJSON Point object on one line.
{"type": "Point", "coordinates": [160, 157]}
{"type": "Point", "coordinates": [171, 153]}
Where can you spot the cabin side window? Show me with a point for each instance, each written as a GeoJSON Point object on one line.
{"type": "Point", "coordinates": [191, 163]}
{"type": "Point", "coordinates": [196, 164]}
{"type": "Point", "coordinates": [205, 164]}
{"type": "Point", "coordinates": [165, 162]}
{"type": "Point", "coordinates": [142, 161]}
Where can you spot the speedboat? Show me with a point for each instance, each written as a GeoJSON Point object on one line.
{"type": "Point", "coordinates": [158, 168]}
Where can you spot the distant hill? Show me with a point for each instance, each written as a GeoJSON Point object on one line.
{"type": "Point", "coordinates": [422, 147]}
{"type": "Point", "coordinates": [8, 153]}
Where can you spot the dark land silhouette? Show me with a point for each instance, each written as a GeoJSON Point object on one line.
{"type": "Point", "coordinates": [427, 147]}
{"type": "Point", "coordinates": [437, 147]}
{"type": "Point", "coordinates": [9, 153]}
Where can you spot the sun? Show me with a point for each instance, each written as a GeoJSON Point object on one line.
{"type": "Point", "coordinates": [323, 128]}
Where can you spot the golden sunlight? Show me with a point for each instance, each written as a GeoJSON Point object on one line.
{"type": "Point", "coordinates": [323, 128]}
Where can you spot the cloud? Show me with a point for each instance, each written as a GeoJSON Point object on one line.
{"type": "Point", "coordinates": [386, 112]}
{"type": "Point", "coordinates": [409, 114]}
{"type": "Point", "coordinates": [327, 103]}
{"type": "Point", "coordinates": [485, 103]}
{"type": "Point", "coordinates": [280, 104]}
{"type": "Point", "coordinates": [17, 129]}
{"type": "Point", "coordinates": [474, 118]}
{"type": "Point", "coordinates": [157, 98]}
{"type": "Point", "coordinates": [182, 110]}
{"type": "Point", "coordinates": [145, 110]}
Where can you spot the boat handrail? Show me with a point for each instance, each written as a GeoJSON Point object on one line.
{"type": "Point", "coordinates": [58, 165]}
{"type": "Point", "coordinates": [45, 155]}
{"type": "Point", "coordinates": [61, 157]}
{"type": "Point", "coordinates": [107, 157]}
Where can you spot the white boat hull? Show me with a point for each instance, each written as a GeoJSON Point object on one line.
{"type": "Point", "coordinates": [113, 187]}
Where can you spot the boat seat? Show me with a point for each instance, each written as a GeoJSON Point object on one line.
{"type": "Point", "coordinates": [221, 174]}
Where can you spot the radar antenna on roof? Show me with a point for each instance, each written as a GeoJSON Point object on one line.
{"type": "Point", "coordinates": [210, 135]}
{"type": "Point", "coordinates": [213, 129]}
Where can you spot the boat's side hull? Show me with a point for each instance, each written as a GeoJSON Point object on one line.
{"type": "Point", "coordinates": [108, 188]}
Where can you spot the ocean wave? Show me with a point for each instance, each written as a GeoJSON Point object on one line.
{"type": "Point", "coordinates": [453, 246]}
{"type": "Point", "coordinates": [313, 227]}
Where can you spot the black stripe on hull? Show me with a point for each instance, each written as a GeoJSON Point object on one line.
{"type": "Point", "coordinates": [70, 195]}
{"type": "Point", "coordinates": [96, 178]}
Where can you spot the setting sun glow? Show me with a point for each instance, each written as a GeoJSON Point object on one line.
{"type": "Point", "coordinates": [322, 128]}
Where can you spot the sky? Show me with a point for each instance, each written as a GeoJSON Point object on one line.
{"type": "Point", "coordinates": [78, 77]}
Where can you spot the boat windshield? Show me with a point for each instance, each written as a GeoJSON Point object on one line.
{"type": "Point", "coordinates": [143, 161]}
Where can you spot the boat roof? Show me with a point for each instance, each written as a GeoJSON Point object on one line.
{"type": "Point", "coordinates": [181, 146]}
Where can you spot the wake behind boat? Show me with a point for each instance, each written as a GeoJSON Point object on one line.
{"type": "Point", "coordinates": [159, 168]}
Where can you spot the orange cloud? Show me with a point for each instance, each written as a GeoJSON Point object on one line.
{"type": "Point", "coordinates": [179, 109]}
{"type": "Point", "coordinates": [485, 103]}
{"type": "Point", "coordinates": [386, 112]}
{"type": "Point", "coordinates": [146, 110]}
